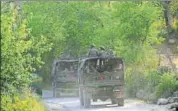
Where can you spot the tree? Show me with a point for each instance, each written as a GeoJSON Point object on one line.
{"type": "Point", "coordinates": [131, 28]}
{"type": "Point", "coordinates": [68, 26]}
{"type": "Point", "coordinates": [21, 53]}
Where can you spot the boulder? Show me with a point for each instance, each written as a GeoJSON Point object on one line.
{"type": "Point", "coordinates": [175, 94]}
{"type": "Point", "coordinates": [140, 94]}
{"type": "Point", "coordinates": [171, 41]}
{"type": "Point", "coordinates": [173, 106]}
{"type": "Point", "coordinates": [162, 101]}
{"type": "Point", "coordinates": [173, 99]}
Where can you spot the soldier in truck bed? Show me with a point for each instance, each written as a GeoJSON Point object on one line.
{"type": "Point", "coordinates": [111, 53]}
{"type": "Point", "coordinates": [93, 51]}
{"type": "Point", "coordinates": [102, 52]}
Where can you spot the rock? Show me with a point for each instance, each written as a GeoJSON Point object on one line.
{"type": "Point", "coordinates": [173, 99]}
{"type": "Point", "coordinates": [140, 94]}
{"type": "Point", "coordinates": [162, 101]}
{"type": "Point", "coordinates": [175, 94]}
{"type": "Point", "coordinates": [171, 41]}
{"type": "Point", "coordinates": [174, 105]}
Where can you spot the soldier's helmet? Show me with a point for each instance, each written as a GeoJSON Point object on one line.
{"type": "Point", "coordinates": [102, 48]}
{"type": "Point", "coordinates": [92, 45]}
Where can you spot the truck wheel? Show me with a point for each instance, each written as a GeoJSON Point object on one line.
{"type": "Point", "coordinates": [120, 102]}
{"type": "Point", "coordinates": [54, 90]}
{"type": "Point", "coordinates": [81, 97]}
{"type": "Point", "coordinates": [86, 99]}
{"type": "Point", "coordinates": [94, 100]}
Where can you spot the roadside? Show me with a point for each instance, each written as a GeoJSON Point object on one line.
{"type": "Point", "coordinates": [73, 104]}
{"type": "Point", "coordinates": [52, 105]}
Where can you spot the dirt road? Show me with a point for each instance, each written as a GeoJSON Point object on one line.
{"type": "Point", "coordinates": [73, 104]}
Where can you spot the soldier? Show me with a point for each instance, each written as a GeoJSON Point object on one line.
{"type": "Point", "coordinates": [111, 53]}
{"type": "Point", "coordinates": [93, 51]}
{"type": "Point", "coordinates": [102, 52]}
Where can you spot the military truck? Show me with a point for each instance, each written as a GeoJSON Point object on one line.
{"type": "Point", "coordinates": [64, 78]}
{"type": "Point", "coordinates": [101, 79]}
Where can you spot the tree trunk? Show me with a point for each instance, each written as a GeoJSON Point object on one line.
{"type": "Point", "coordinates": [99, 3]}
{"type": "Point", "coordinates": [168, 55]}
{"type": "Point", "coordinates": [167, 15]}
{"type": "Point", "coordinates": [109, 4]}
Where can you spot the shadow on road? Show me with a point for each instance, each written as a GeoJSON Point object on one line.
{"type": "Point", "coordinates": [101, 106]}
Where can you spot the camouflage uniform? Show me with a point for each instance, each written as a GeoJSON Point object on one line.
{"type": "Point", "coordinates": [102, 53]}
{"type": "Point", "coordinates": [111, 53]}
{"type": "Point", "coordinates": [93, 51]}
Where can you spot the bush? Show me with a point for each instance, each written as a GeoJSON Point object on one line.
{"type": "Point", "coordinates": [150, 85]}
{"type": "Point", "coordinates": [134, 82]}
{"type": "Point", "coordinates": [25, 102]}
{"type": "Point", "coordinates": [153, 84]}
{"type": "Point", "coordinates": [167, 85]}
{"type": "Point", "coordinates": [152, 79]}
{"type": "Point", "coordinates": [36, 83]}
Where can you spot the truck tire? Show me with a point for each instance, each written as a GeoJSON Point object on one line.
{"type": "Point", "coordinates": [95, 100]}
{"type": "Point", "coordinates": [86, 99]}
{"type": "Point", "coordinates": [54, 90]}
{"type": "Point", "coordinates": [81, 96]}
{"type": "Point", "coordinates": [120, 102]}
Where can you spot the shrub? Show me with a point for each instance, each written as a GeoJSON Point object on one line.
{"type": "Point", "coordinates": [25, 102]}
{"type": "Point", "coordinates": [167, 85]}
{"type": "Point", "coordinates": [134, 82]}
{"type": "Point", "coordinates": [152, 79]}
{"type": "Point", "coordinates": [36, 83]}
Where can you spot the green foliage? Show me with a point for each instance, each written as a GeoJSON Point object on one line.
{"type": "Point", "coordinates": [21, 53]}
{"type": "Point", "coordinates": [174, 10]}
{"type": "Point", "coordinates": [167, 83]}
{"type": "Point", "coordinates": [141, 80]}
{"type": "Point", "coordinates": [23, 102]}
{"type": "Point", "coordinates": [153, 79]}
{"type": "Point", "coordinates": [42, 21]}
{"type": "Point", "coordinates": [137, 28]}
{"type": "Point", "coordinates": [68, 26]}
{"type": "Point", "coordinates": [135, 81]}
{"type": "Point", "coordinates": [153, 83]}
{"type": "Point", "coordinates": [131, 28]}
{"type": "Point", "coordinates": [36, 84]}
{"type": "Point", "coordinates": [128, 27]}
